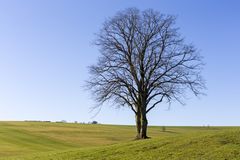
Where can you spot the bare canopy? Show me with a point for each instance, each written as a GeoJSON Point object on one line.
{"type": "Point", "coordinates": [144, 61]}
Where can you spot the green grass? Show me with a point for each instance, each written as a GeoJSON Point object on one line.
{"type": "Point", "coordinates": [59, 141]}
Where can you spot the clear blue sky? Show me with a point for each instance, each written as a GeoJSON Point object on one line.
{"type": "Point", "coordinates": [45, 48]}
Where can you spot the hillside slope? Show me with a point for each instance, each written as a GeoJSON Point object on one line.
{"type": "Point", "coordinates": [52, 141]}
{"type": "Point", "coordinates": [26, 138]}
{"type": "Point", "coordinates": [224, 145]}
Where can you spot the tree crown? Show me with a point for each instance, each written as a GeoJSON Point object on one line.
{"type": "Point", "coordinates": [144, 60]}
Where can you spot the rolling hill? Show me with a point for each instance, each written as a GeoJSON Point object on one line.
{"type": "Point", "coordinates": [64, 141]}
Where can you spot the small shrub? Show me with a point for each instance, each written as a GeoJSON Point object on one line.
{"type": "Point", "coordinates": [163, 128]}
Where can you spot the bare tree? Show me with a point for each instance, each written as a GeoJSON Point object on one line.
{"type": "Point", "coordinates": [144, 61]}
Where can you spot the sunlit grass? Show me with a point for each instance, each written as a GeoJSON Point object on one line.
{"type": "Point", "coordinates": [61, 141]}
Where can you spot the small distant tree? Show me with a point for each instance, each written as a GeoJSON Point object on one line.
{"type": "Point", "coordinates": [94, 122]}
{"type": "Point", "coordinates": [144, 61]}
{"type": "Point", "coordinates": [163, 128]}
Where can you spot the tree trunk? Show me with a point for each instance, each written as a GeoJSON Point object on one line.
{"type": "Point", "coordinates": [144, 123]}
{"type": "Point", "coordinates": [138, 124]}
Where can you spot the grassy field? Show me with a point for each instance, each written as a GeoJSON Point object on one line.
{"type": "Point", "coordinates": [61, 141]}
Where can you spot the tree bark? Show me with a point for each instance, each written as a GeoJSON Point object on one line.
{"type": "Point", "coordinates": [144, 123]}
{"type": "Point", "coordinates": [138, 124]}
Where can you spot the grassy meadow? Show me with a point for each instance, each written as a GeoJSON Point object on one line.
{"type": "Point", "coordinates": [66, 141]}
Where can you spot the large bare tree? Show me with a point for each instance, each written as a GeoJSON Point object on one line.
{"type": "Point", "coordinates": [144, 61]}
